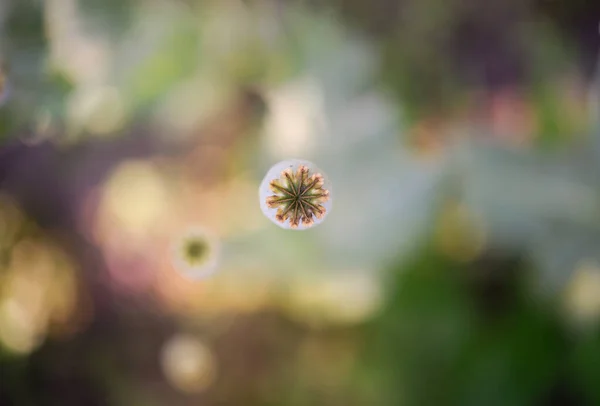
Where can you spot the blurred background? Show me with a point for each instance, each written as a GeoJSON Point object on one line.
{"type": "Point", "coordinates": [460, 264]}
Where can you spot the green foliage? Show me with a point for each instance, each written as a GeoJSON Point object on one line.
{"type": "Point", "coordinates": [585, 366]}
{"type": "Point", "coordinates": [442, 345]}
{"type": "Point", "coordinates": [173, 60]}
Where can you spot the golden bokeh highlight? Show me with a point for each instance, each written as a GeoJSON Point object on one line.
{"type": "Point", "coordinates": [39, 295]}
{"type": "Point", "coordinates": [581, 298]}
{"type": "Point", "coordinates": [188, 364]}
{"type": "Point", "coordinates": [135, 197]}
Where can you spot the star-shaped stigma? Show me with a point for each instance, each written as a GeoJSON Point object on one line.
{"type": "Point", "coordinates": [298, 197]}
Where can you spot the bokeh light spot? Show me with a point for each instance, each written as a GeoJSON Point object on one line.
{"type": "Point", "coordinates": [188, 364]}
{"type": "Point", "coordinates": [135, 196]}
{"type": "Point", "coordinates": [582, 294]}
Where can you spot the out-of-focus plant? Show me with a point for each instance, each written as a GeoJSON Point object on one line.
{"type": "Point", "coordinates": [473, 333]}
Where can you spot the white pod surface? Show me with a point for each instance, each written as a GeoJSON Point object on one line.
{"type": "Point", "coordinates": [295, 194]}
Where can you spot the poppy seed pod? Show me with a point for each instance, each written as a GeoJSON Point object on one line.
{"type": "Point", "coordinates": [295, 194]}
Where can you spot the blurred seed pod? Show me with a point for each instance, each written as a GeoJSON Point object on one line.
{"type": "Point", "coordinates": [196, 254]}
